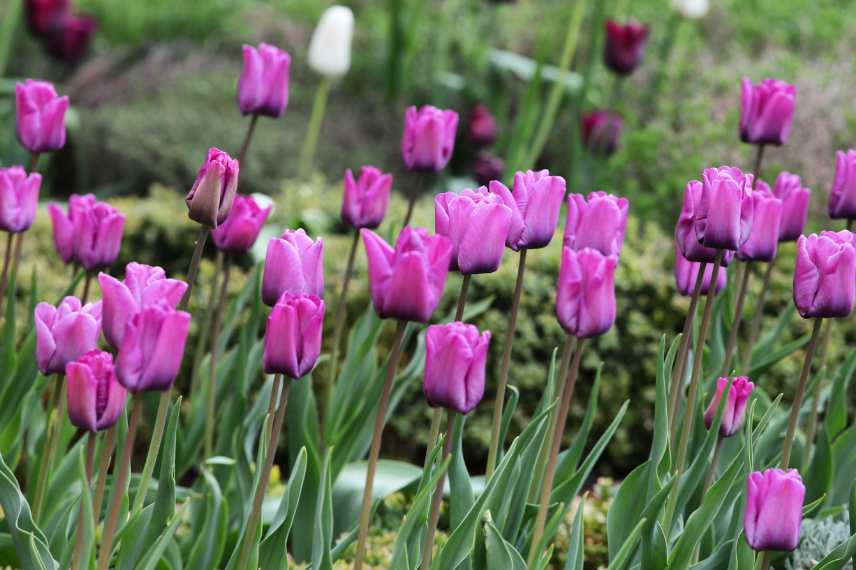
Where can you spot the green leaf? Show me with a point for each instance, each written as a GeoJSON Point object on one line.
{"type": "Point", "coordinates": [460, 488]}
{"type": "Point", "coordinates": [211, 540]}
{"type": "Point", "coordinates": [819, 479]}
{"type": "Point", "coordinates": [844, 465]}
{"type": "Point", "coordinates": [742, 555]}
{"type": "Point", "coordinates": [769, 358]}
{"type": "Point", "coordinates": [272, 552]}
{"type": "Point", "coordinates": [718, 560]}
{"type": "Point", "coordinates": [836, 417]}
{"type": "Point", "coordinates": [623, 558]}
{"type": "Point", "coordinates": [839, 557]}
{"type": "Point", "coordinates": [576, 544]}
{"type": "Point", "coordinates": [156, 552]}
{"type": "Point", "coordinates": [323, 528]}
{"type": "Point", "coordinates": [500, 554]}
{"type": "Point", "coordinates": [626, 509]}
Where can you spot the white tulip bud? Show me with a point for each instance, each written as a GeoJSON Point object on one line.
{"type": "Point", "coordinates": [692, 9]}
{"type": "Point", "coordinates": [330, 48]}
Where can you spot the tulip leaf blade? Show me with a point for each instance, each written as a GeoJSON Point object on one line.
{"type": "Point", "coordinates": [576, 543]}
{"type": "Point", "coordinates": [500, 555]}
{"type": "Point", "coordinates": [273, 546]}
{"type": "Point", "coordinates": [208, 548]}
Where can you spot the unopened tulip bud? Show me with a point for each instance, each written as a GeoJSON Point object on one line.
{"type": "Point", "coordinates": [19, 198]}
{"type": "Point", "coordinates": [263, 86]}
{"type": "Point", "coordinates": [842, 199]}
{"type": "Point", "coordinates": [210, 199]}
{"type": "Point", "coordinates": [767, 111]}
{"type": "Point", "coordinates": [535, 203]}
{"type": "Point", "coordinates": [482, 126]}
{"type": "Point", "coordinates": [69, 37]}
{"type": "Point", "coordinates": [429, 138]}
{"type": "Point", "coordinates": [293, 264]}
{"type": "Point", "coordinates": [487, 167]}
{"type": "Point", "coordinates": [624, 47]}
{"type": "Point", "coordinates": [598, 221]}
{"type": "Point", "coordinates": [601, 131]}
{"type": "Point", "coordinates": [766, 223]}
{"type": "Point", "coordinates": [585, 292]}
{"type": "Point", "coordinates": [685, 233]}
{"type": "Point", "coordinates": [64, 333]}
{"type": "Point", "coordinates": [365, 199]}
{"type": "Point", "coordinates": [242, 226]}
{"type": "Point", "coordinates": [293, 335]}
{"type": "Point", "coordinates": [825, 275]}
{"type": "Point", "coordinates": [455, 357]}
{"type": "Point", "coordinates": [152, 348]}
{"type": "Point", "coordinates": [735, 405]}
{"type": "Point", "coordinates": [724, 214]}
{"type": "Point", "coordinates": [40, 119]}
{"type": "Point", "coordinates": [795, 199]}
{"type": "Point", "coordinates": [774, 503]}
{"type": "Point", "coordinates": [330, 47]}
{"type": "Point", "coordinates": [476, 222]}
{"type": "Point", "coordinates": [95, 397]}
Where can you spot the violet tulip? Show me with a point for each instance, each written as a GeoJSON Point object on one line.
{"type": "Point", "coordinates": [774, 503]}
{"type": "Point", "coordinates": [406, 282]}
{"type": "Point", "coordinates": [585, 292]}
{"type": "Point", "coordinates": [65, 332]}
{"type": "Point", "coordinates": [685, 234]}
{"type": "Point", "coordinates": [152, 348]}
{"type": "Point", "coordinates": [601, 131]}
{"type": "Point", "coordinates": [365, 199]}
{"type": "Point", "coordinates": [455, 357]}
{"type": "Point", "coordinates": [70, 36]}
{"type": "Point", "coordinates": [19, 198]}
{"type": "Point", "coordinates": [40, 120]}
{"type": "Point", "coordinates": [95, 397]}
{"type": "Point", "coordinates": [766, 111]}
{"type": "Point", "coordinates": [293, 264]}
{"type": "Point", "coordinates": [795, 199]}
{"type": "Point", "coordinates": [242, 227]}
{"type": "Point", "coordinates": [477, 223]}
{"type": "Point", "coordinates": [263, 86]}
{"type": "Point", "coordinates": [293, 335]}
{"type": "Point", "coordinates": [598, 221]}
{"type": "Point", "coordinates": [210, 198]}
{"type": "Point", "coordinates": [482, 126]}
{"type": "Point", "coordinates": [724, 212]}
{"type": "Point", "coordinates": [41, 14]}
{"type": "Point", "coordinates": [429, 138]}
{"type": "Point", "coordinates": [842, 199]}
{"type": "Point", "coordinates": [824, 275]}
{"type": "Point", "coordinates": [535, 202]}
{"type": "Point", "coordinates": [734, 412]}
{"type": "Point", "coordinates": [624, 46]}
{"type": "Point", "coordinates": [686, 273]}
{"type": "Point", "coordinates": [487, 167]}
{"type": "Point", "coordinates": [90, 234]}
{"type": "Point", "coordinates": [766, 224]}
{"type": "Point", "coordinates": [143, 285]}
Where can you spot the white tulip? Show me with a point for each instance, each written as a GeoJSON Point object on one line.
{"type": "Point", "coordinates": [330, 48]}
{"type": "Point", "coordinates": [692, 9]}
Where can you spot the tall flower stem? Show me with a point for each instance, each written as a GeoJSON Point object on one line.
{"type": "Point", "coordinates": [411, 204]}
{"type": "Point", "coordinates": [103, 467]}
{"type": "Point", "coordinates": [248, 137]}
{"type": "Point", "coordinates": [374, 452]}
{"type": "Point", "coordinates": [755, 328]}
{"type": "Point", "coordinates": [54, 422]}
{"type": "Point", "coordinates": [714, 463]}
{"type": "Point", "coordinates": [684, 350]}
{"type": "Point", "coordinates": [193, 269]}
{"type": "Point", "coordinates": [205, 329]}
{"type": "Point", "coordinates": [34, 162]}
{"type": "Point", "coordinates": [438, 496]}
{"type": "Point", "coordinates": [555, 445]}
{"type": "Point", "coordinates": [215, 349]}
{"type": "Point", "coordinates": [811, 430]}
{"type": "Point", "coordinates": [87, 284]}
{"type": "Point", "coordinates": [759, 157]}
{"type": "Point", "coordinates": [90, 458]}
{"type": "Point", "coordinates": [310, 143]}
{"type": "Point", "coordinates": [506, 363]}
{"type": "Point", "coordinates": [152, 453]}
{"type": "Point", "coordinates": [124, 466]}
{"type": "Point", "coordinates": [737, 319]}
{"type": "Point", "coordinates": [4, 276]}
{"type": "Point", "coordinates": [10, 267]}
{"type": "Point", "coordinates": [764, 563]}
{"type": "Point", "coordinates": [793, 421]}
{"type": "Point", "coordinates": [261, 486]}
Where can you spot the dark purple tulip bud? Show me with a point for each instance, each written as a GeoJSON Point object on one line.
{"type": "Point", "coordinates": [263, 86]}
{"type": "Point", "coordinates": [64, 333]}
{"type": "Point", "coordinates": [842, 199]}
{"type": "Point", "coordinates": [41, 14]}
{"type": "Point", "coordinates": [487, 167]}
{"type": "Point", "coordinates": [19, 198]}
{"type": "Point", "coordinates": [795, 199]}
{"type": "Point", "coordinates": [429, 138]}
{"type": "Point", "coordinates": [455, 357]}
{"type": "Point", "coordinates": [95, 397]}
{"type": "Point", "coordinates": [210, 199]}
{"type": "Point", "coordinates": [686, 273]}
{"type": "Point", "coordinates": [774, 504]}
{"type": "Point", "coordinates": [585, 292]}
{"type": "Point", "coordinates": [735, 405]}
{"type": "Point", "coordinates": [293, 335]}
{"type": "Point", "coordinates": [535, 203]}
{"type": "Point", "coordinates": [40, 116]}
{"type": "Point", "coordinates": [152, 348]}
{"type": "Point", "coordinates": [366, 199]}
{"type": "Point", "coordinates": [724, 213]}
{"type": "Point", "coordinates": [69, 37]}
{"type": "Point", "coordinates": [763, 238]}
{"type": "Point", "coordinates": [482, 126]}
{"type": "Point", "coordinates": [598, 221]}
{"type": "Point", "coordinates": [766, 111]}
{"type": "Point", "coordinates": [601, 131]}
{"type": "Point", "coordinates": [825, 275]}
{"type": "Point", "coordinates": [242, 227]}
{"type": "Point", "coordinates": [624, 46]}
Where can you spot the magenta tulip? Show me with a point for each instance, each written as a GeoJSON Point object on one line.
{"type": "Point", "coordinates": [293, 264]}
{"type": "Point", "coordinates": [735, 405]}
{"type": "Point", "coordinates": [482, 126]}
{"type": "Point", "coordinates": [685, 234]}
{"type": "Point", "coordinates": [795, 199]}
{"type": "Point", "coordinates": [95, 397]}
{"type": "Point", "coordinates": [365, 199]}
{"type": "Point", "coordinates": [210, 199]}
{"type": "Point", "coordinates": [598, 221]}
{"type": "Point", "coordinates": [40, 122]}
{"type": "Point", "coordinates": [724, 212]}
{"type": "Point", "coordinates": [455, 357]}
{"type": "Point", "coordinates": [70, 36]}
{"type": "Point", "coordinates": [263, 86]}
{"type": "Point", "coordinates": [585, 292]}
{"type": "Point", "coordinates": [19, 198]}
{"type": "Point", "coordinates": [429, 138]}
{"type": "Point", "coordinates": [766, 225]}
{"type": "Point", "coordinates": [686, 273]}
{"type": "Point", "coordinates": [825, 275]}
{"type": "Point", "coordinates": [90, 234]}
{"type": "Point", "coordinates": [293, 335]}
{"type": "Point", "coordinates": [41, 14]}
{"type": "Point", "coordinates": [624, 47]}
{"type": "Point", "coordinates": [242, 227]}
{"type": "Point", "coordinates": [152, 348]}
{"type": "Point", "coordinates": [774, 503]}
{"type": "Point", "coordinates": [767, 111]}
{"type": "Point", "coordinates": [601, 131]}
{"type": "Point", "coordinates": [65, 332]}
{"type": "Point", "coordinates": [842, 199]}
{"type": "Point", "coordinates": [535, 203]}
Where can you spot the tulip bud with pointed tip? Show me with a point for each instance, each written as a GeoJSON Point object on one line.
{"type": "Point", "coordinates": [455, 357]}
{"type": "Point", "coordinates": [19, 198]}
{"type": "Point", "coordinates": [152, 348]}
{"type": "Point", "coordinates": [766, 111]}
{"type": "Point", "coordinates": [598, 221]}
{"type": "Point", "coordinates": [795, 199]}
{"type": "Point", "coordinates": [624, 47]}
{"type": "Point", "coordinates": [65, 332]}
{"type": "Point", "coordinates": [724, 213]}
{"type": "Point", "coordinates": [774, 503]}
{"type": "Point", "coordinates": [825, 275]}
{"type": "Point", "coordinates": [482, 126]}
{"type": "Point", "coordinates": [263, 86]}
{"type": "Point", "coordinates": [293, 335]}
{"type": "Point", "coordinates": [686, 273]}
{"type": "Point", "coordinates": [293, 264]}
{"type": "Point", "coordinates": [330, 47]}
{"type": "Point", "coordinates": [429, 138]}
{"type": "Point", "coordinates": [365, 200]}
{"type": "Point", "coordinates": [210, 199]}
{"type": "Point", "coordinates": [842, 199]}
{"type": "Point", "coordinates": [585, 292]}
{"type": "Point", "coordinates": [685, 234]}
{"type": "Point", "coordinates": [763, 240]}
{"type": "Point", "coordinates": [735, 405]}
{"type": "Point", "coordinates": [535, 202]}
{"type": "Point", "coordinates": [40, 116]}
{"type": "Point", "coordinates": [242, 226]}
{"type": "Point", "coordinates": [95, 397]}
{"type": "Point", "coordinates": [601, 131]}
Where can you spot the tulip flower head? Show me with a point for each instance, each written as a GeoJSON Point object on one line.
{"type": "Point", "coordinates": [766, 225]}
{"type": "Point", "coordinates": [535, 203]}
{"type": "Point", "coordinates": [825, 275]}
{"type": "Point", "coordinates": [42, 14]}
{"type": "Point", "coordinates": [19, 198]}
{"type": "Point", "coordinates": [477, 223]}
{"type": "Point", "coordinates": [242, 226]}
{"type": "Point", "coordinates": [293, 335]}
{"type": "Point", "coordinates": [686, 274]}
{"type": "Point", "coordinates": [598, 221]}
{"type": "Point", "coordinates": [263, 86]}
{"type": "Point", "coordinates": [330, 47]}
{"type": "Point", "coordinates": [429, 138]}
{"type": "Point", "coordinates": [455, 357]}
{"type": "Point", "coordinates": [795, 199]}
{"type": "Point", "coordinates": [70, 36]}
{"type": "Point", "coordinates": [482, 126]}
{"type": "Point", "coordinates": [724, 212]}
{"type": "Point", "coordinates": [842, 199]}
{"type": "Point", "coordinates": [774, 503]}
{"type": "Point", "coordinates": [691, 9]}
{"type": "Point", "coordinates": [293, 264]}
{"type": "Point", "coordinates": [40, 119]}
{"type": "Point", "coordinates": [735, 405]}
{"type": "Point", "coordinates": [64, 333]}
{"type": "Point", "coordinates": [487, 167]}
{"type": "Point", "coordinates": [152, 348]}
{"type": "Point", "coordinates": [95, 397]}
{"type": "Point", "coordinates": [585, 292]}
{"type": "Point", "coordinates": [767, 111]}
{"type": "Point", "coordinates": [90, 233]}
{"type": "Point", "coordinates": [601, 131]}
{"type": "Point", "coordinates": [685, 234]}
{"type": "Point", "coordinates": [210, 198]}
{"type": "Point", "coordinates": [624, 47]}
{"type": "Point", "coordinates": [406, 282]}
{"type": "Point", "coordinates": [366, 199]}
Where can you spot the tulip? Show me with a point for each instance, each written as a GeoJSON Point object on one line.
{"type": "Point", "coordinates": [724, 213]}
{"type": "Point", "coordinates": [330, 47]}
{"type": "Point", "coordinates": [91, 232]}
{"type": "Point", "coordinates": [263, 86]}
{"type": "Point", "coordinates": [65, 332]}
{"type": "Point", "coordinates": [598, 222]}
{"type": "Point", "coordinates": [774, 503]}
{"type": "Point", "coordinates": [585, 292]}
{"type": "Point", "coordinates": [406, 282]}
{"type": "Point", "coordinates": [293, 264]}
{"type": "Point", "coordinates": [144, 285]}
{"type": "Point", "coordinates": [842, 199]}
{"type": "Point", "coordinates": [691, 9]}
{"type": "Point", "coordinates": [210, 199]}
{"type": "Point", "coordinates": [429, 138]}
{"type": "Point", "coordinates": [482, 126]}
{"type": "Point", "coordinates": [63, 225]}
{"type": "Point", "coordinates": [601, 131]}
{"type": "Point", "coordinates": [477, 223]}
{"type": "Point", "coordinates": [824, 275]}
{"type": "Point", "coordinates": [41, 14]}
{"type": "Point", "coordinates": [624, 46]}
{"type": "Point", "coordinates": [70, 36]}
{"type": "Point", "coordinates": [795, 199]}
{"type": "Point", "coordinates": [735, 405]}
{"type": "Point", "coordinates": [535, 203]}
{"type": "Point", "coordinates": [366, 199]}
{"type": "Point", "coordinates": [487, 167]}
{"type": "Point", "coordinates": [19, 198]}
{"type": "Point", "coordinates": [40, 122]}
{"type": "Point", "coordinates": [766, 225]}
{"type": "Point", "coordinates": [455, 356]}
{"type": "Point", "coordinates": [152, 348]}
{"type": "Point", "coordinates": [293, 335]}
{"type": "Point", "coordinates": [685, 234]}
{"type": "Point", "coordinates": [686, 273]}
{"type": "Point", "coordinates": [95, 397]}
{"type": "Point", "coordinates": [243, 225]}
{"type": "Point", "coordinates": [766, 111]}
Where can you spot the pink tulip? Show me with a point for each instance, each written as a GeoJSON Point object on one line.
{"type": "Point", "coordinates": [210, 199]}
{"type": "Point", "coordinates": [842, 199]}
{"type": "Point", "coordinates": [242, 227]}
{"type": "Point", "coordinates": [429, 138]}
{"type": "Point", "coordinates": [263, 86]}
{"type": "Point", "coordinates": [19, 198]}
{"type": "Point", "coordinates": [598, 221]}
{"type": "Point", "coordinates": [601, 131]}
{"type": "Point", "coordinates": [65, 332]}
{"type": "Point", "coordinates": [95, 397]}
{"type": "Point", "coordinates": [724, 213]}
{"type": "Point", "coordinates": [795, 199]}
{"type": "Point", "coordinates": [774, 503]}
{"type": "Point", "coordinates": [535, 204]}
{"type": "Point", "coordinates": [825, 275]}
{"type": "Point", "coordinates": [293, 335]}
{"type": "Point", "coordinates": [91, 232]}
{"type": "Point", "coordinates": [365, 199]}
{"type": "Point", "coordinates": [455, 357]}
{"type": "Point", "coordinates": [766, 225]}
{"type": "Point", "coordinates": [152, 348]}
{"type": "Point", "coordinates": [686, 273]}
{"type": "Point", "coordinates": [293, 264]}
{"type": "Point", "coordinates": [40, 122]}
{"type": "Point", "coordinates": [767, 111]}
{"type": "Point", "coordinates": [585, 292]}
{"type": "Point", "coordinates": [685, 234]}
{"type": "Point", "coordinates": [482, 126]}
{"type": "Point", "coordinates": [735, 405]}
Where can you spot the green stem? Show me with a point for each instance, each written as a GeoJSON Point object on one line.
{"type": "Point", "coordinates": [765, 560]}
{"type": "Point", "coordinates": [411, 204]}
{"type": "Point", "coordinates": [4, 276]}
{"type": "Point", "coordinates": [428, 547]}
{"type": "Point", "coordinates": [683, 352]}
{"type": "Point", "coordinates": [310, 143]}
{"type": "Point", "coordinates": [87, 284]}
{"type": "Point", "coordinates": [811, 430]}
{"type": "Point", "coordinates": [755, 328]}
{"type": "Point", "coordinates": [248, 137]}
{"type": "Point", "coordinates": [759, 157]}
{"type": "Point", "coordinates": [215, 350]}
{"type": "Point", "coordinates": [90, 457]}
{"type": "Point", "coordinates": [54, 422]}
{"type": "Point", "coordinates": [103, 467]}
{"type": "Point", "coordinates": [204, 330]}
{"type": "Point", "coordinates": [193, 269]}
{"type": "Point", "coordinates": [793, 421]}
{"type": "Point", "coordinates": [737, 319]}
{"type": "Point", "coordinates": [154, 449]}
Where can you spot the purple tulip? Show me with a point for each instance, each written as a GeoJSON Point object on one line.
{"type": "Point", "coordinates": [766, 224]}
{"type": "Point", "coordinates": [144, 285]}
{"type": "Point", "coordinates": [724, 213]}
{"type": "Point", "coordinates": [624, 46]}
{"type": "Point", "coordinates": [598, 221]}
{"type": "Point", "coordinates": [429, 138]}
{"type": "Point", "coordinates": [482, 126]}
{"type": "Point", "coordinates": [152, 348]}
{"type": "Point", "coordinates": [477, 223]}
{"type": "Point", "coordinates": [686, 273]}
{"type": "Point", "coordinates": [735, 405]}
{"type": "Point", "coordinates": [842, 199]}
{"type": "Point", "coordinates": [774, 503]}
{"type": "Point", "coordinates": [766, 111]}
{"type": "Point", "coordinates": [365, 199]}
{"type": "Point", "coordinates": [795, 199]}
{"type": "Point", "coordinates": [63, 225]}
{"type": "Point", "coordinates": [293, 335]}
{"type": "Point", "coordinates": [65, 332]}
{"type": "Point", "coordinates": [19, 198]}
{"type": "Point", "coordinates": [407, 282]}
{"type": "Point", "coordinates": [685, 234]}
{"type": "Point", "coordinates": [210, 199]}
{"type": "Point", "coordinates": [585, 292]}
{"type": "Point", "coordinates": [69, 36]}
{"type": "Point", "coordinates": [40, 122]}
{"type": "Point", "coordinates": [95, 397]}
{"type": "Point", "coordinates": [825, 274]}
{"type": "Point", "coordinates": [455, 357]}
{"type": "Point", "coordinates": [91, 232]}
{"type": "Point", "coordinates": [535, 203]}
{"type": "Point", "coordinates": [487, 167]}
{"type": "Point", "coordinates": [293, 264]}
{"type": "Point", "coordinates": [263, 86]}
{"type": "Point", "coordinates": [242, 227]}
{"type": "Point", "coordinates": [601, 131]}
{"type": "Point", "coordinates": [41, 14]}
